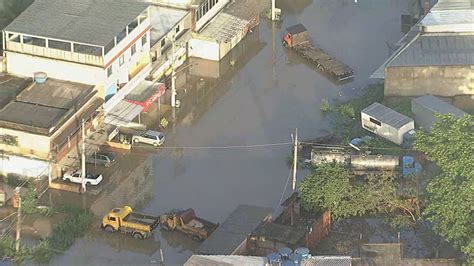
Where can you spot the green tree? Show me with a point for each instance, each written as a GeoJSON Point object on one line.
{"type": "Point", "coordinates": [451, 194]}
{"type": "Point", "coordinates": [332, 187]}
{"type": "Point", "coordinates": [29, 202]}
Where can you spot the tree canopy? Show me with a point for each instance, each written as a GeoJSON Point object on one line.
{"type": "Point", "coordinates": [450, 203]}
{"type": "Point", "coordinates": [333, 187]}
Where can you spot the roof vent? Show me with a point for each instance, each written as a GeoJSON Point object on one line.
{"type": "Point", "coordinates": [40, 77]}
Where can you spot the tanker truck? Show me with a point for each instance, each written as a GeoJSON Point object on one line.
{"type": "Point", "coordinates": [368, 163]}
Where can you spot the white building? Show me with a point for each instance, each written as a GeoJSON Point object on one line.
{"type": "Point", "coordinates": [385, 122]}
{"type": "Point", "coordinates": [101, 43]}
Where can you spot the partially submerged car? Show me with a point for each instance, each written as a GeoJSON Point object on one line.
{"type": "Point", "coordinates": [151, 137]}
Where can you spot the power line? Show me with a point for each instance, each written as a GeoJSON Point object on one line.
{"type": "Point", "coordinates": [229, 147]}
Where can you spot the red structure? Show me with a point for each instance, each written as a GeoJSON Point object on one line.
{"type": "Point", "coordinates": [146, 95]}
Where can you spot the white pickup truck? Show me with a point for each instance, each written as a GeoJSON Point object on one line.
{"type": "Point", "coordinates": [76, 177]}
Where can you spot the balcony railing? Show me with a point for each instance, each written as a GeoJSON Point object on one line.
{"type": "Point", "coordinates": [55, 53]}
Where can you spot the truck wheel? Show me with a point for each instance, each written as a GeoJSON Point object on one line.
{"type": "Point", "coordinates": [137, 235]}
{"type": "Point", "coordinates": [108, 229]}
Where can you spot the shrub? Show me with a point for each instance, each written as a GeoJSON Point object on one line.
{"type": "Point", "coordinates": [346, 110]}
{"type": "Point", "coordinates": [325, 106]}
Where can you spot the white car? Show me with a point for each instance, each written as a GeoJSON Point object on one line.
{"type": "Point", "coordinates": [90, 179]}
{"type": "Point", "coordinates": [151, 137]}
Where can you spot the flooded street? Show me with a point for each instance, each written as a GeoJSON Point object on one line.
{"type": "Point", "coordinates": [252, 103]}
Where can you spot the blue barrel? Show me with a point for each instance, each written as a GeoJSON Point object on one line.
{"type": "Point", "coordinates": [274, 258]}
{"type": "Point", "coordinates": [285, 252]}
{"type": "Point", "coordinates": [304, 252]}
{"type": "Point", "coordinates": [296, 258]}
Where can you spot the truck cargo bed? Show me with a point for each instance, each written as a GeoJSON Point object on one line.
{"type": "Point", "coordinates": [143, 219]}
{"type": "Point", "coordinates": [323, 61]}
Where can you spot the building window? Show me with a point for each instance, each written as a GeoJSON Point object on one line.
{"type": "Point", "coordinates": [143, 40]}
{"type": "Point", "coordinates": [109, 71]}
{"type": "Point", "coordinates": [9, 140]}
{"type": "Point", "coordinates": [177, 29]}
{"type": "Point", "coordinates": [378, 123]}
{"type": "Point", "coordinates": [121, 60]}
{"type": "Point", "coordinates": [163, 42]}
{"type": "Point", "coordinates": [134, 49]}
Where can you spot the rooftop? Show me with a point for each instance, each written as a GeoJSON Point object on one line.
{"type": "Point", "coordinates": [41, 108]}
{"type": "Point", "coordinates": [438, 50]}
{"type": "Point", "coordinates": [328, 261]}
{"type": "Point", "coordinates": [437, 105]}
{"type": "Point", "coordinates": [234, 19]}
{"type": "Point", "coordinates": [281, 233]}
{"type": "Point", "coordinates": [386, 115]}
{"type": "Point", "coordinates": [234, 230]}
{"type": "Point", "coordinates": [163, 19]}
{"type": "Point", "coordinates": [94, 22]}
{"type": "Point", "coordinates": [298, 28]}
{"type": "Point", "coordinates": [198, 260]}
{"type": "Point", "coordinates": [144, 91]}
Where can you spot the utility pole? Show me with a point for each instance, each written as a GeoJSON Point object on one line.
{"type": "Point", "coordinates": [83, 158]}
{"type": "Point", "coordinates": [273, 10]}
{"type": "Point", "coordinates": [295, 158]}
{"type": "Point", "coordinates": [18, 221]}
{"type": "Point", "coordinates": [173, 73]}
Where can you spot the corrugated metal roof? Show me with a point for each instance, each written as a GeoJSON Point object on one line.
{"type": "Point", "coordinates": [435, 104]}
{"type": "Point", "coordinates": [445, 5]}
{"type": "Point", "coordinates": [386, 115]}
{"type": "Point", "coordinates": [437, 50]}
{"type": "Point", "coordinates": [234, 230]}
{"type": "Point", "coordinates": [328, 261]}
{"type": "Point", "coordinates": [94, 22]}
{"type": "Point", "coordinates": [198, 260]}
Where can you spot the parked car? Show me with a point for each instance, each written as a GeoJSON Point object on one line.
{"type": "Point", "coordinates": [75, 177]}
{"type": "Point", "coordinates": [102, 158]}
{"type": "Point", "coordinates": [151, 137]}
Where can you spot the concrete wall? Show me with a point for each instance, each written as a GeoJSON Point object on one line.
{"type": "Point", "coordinates": [435, 80]}
{"type": "Point", "coordinates": [185, 24]}
{"type": "Point", "coordinates": [25, 65]}
{"type": "Point", "coordinates": [28, 144]}
{"type": "Point", "coordinates": [23, 166]}
{"type": "Point", "coordinates": [123, 63]}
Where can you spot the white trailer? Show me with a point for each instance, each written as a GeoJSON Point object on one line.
{"type": "Point", "coordinates": [386, 122]}
{"type": "Point", "coordinates": [426, 107]}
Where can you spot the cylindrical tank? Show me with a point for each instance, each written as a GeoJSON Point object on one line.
{"type": "Point", "coordinates": [374, 162]}
{"type": "Point", "coordinates": [296, 258]}
{"type": "Point", "coordinates": [304, 252]}
{"type": "Point", "coordinates": [319, 157]}
{"type": "Point", "coordinates": [40, 77]}
{"type": "Point", "coordinates": [285, 252]}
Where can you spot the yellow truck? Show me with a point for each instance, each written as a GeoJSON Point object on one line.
{"type": "Point", "coordinates": [124, 220]}
{"type": "Point", "coordinates": [187, 222]}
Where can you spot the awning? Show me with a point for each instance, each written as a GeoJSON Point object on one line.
{"type": "Point", "coordinates": [123, 113]}
{"type": "Point", "coordinates": [146, 93]}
